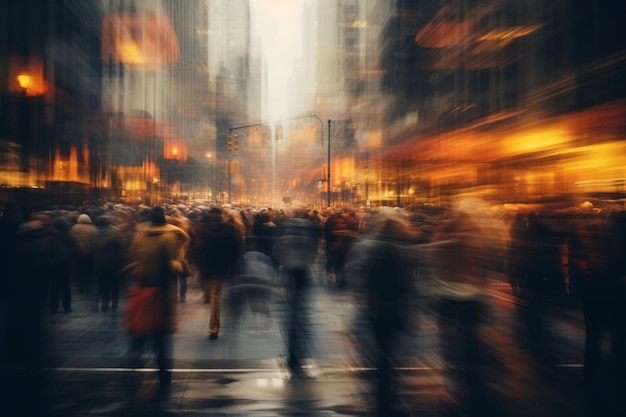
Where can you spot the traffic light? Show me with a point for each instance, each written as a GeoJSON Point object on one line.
{"type": "Point", "coordinates": [233, 143]}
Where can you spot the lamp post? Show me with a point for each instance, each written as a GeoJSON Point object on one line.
{"type": "Point", "coordinates": [210, 176]}
{"type": "Point", "coordinates": [328, 174]}
{"type": "Point", "coordinates": [25, 82]}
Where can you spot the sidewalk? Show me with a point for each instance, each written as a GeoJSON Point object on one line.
{"type": "Point", "coordinates": [243, 372]}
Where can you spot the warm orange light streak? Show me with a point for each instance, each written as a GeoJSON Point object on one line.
{"type": "Point", "coordinates": [140, 41]}
{"type": "Point", "coordinates": [25, 81]}
{"type": "Point", "coordinates": [535, 140]}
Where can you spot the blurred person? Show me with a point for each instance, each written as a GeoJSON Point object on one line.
{"type": "Point", "coordinates": [279, 217]}
{"type": "Point", "coordinates": [233, 217]}
{"type": "Point", "coordinates": [216, 246]}
{"type": "Point", "coordinates": [457, 261]}
{"type": "Point", "coordinates": [295, 251]}
{"type": "Point", "coordinates": [82, 233]}
{"type": "Point", "coordinates": [317, 219]}
{"type": "Point", "coordinates": [516, 249]}
{"type": "Point", "coordinates": [532, 263]}
{"type": "Point", "coordinates": [108, 259]}
{"type": "Point", "coordinates": [246, 220]}
{"type": "Point", "coordinates": [176, 218]}
{"type": "Point", "coordinates": [61, 253]}
{"type": "Point", "coordinates": [596, 265]}
{"type": "Point", "coordinates": [23, 339]}
{"type": "Point", "coordinates": [263, 232]}
{"type": "Point", "coordinates": [380, 264]}
{"type": "Point", "coordinates": [155, 260]}
{"type": "Point", "coordinates": [340, 231]}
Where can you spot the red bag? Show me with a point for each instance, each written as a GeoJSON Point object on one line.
{"type": "Point", "coordinates": [144, 311]}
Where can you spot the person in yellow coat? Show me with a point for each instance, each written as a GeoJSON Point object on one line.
{"type": "Point", "coordinates": [156, 258]}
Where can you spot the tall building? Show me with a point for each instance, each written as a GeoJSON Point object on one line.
{"type": "Point", "coordinates": [46, 135]}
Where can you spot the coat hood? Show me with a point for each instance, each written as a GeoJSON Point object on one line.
{"type": "Point", "coordinates": [84, 218]}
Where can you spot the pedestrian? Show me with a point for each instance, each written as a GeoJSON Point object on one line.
{"type": "Point", "coordinates": [82, 233]}
{"type": "Point", "coordinates": [457, 261]}
{"type": "Point", "coordinates": [295, 250]}
{"type": "Point", "coordinates": [532, 274]}
{"type": "Point", "coordinates": [596, 266]}
{"type": "Point", "coordinates": [155, 260]}
{"type": "Point", "coordinates": [340, 231]}
{"type": "Point", "coordinates": [263, 232]}
{"type": "Point", "coordinates": [61, 253]}
{"type": "Point", "coordinates": [108, 259]}
{"type": "Point", "coordinates": [216, 245]}
{"type": "Point", "coordinates": [176, 218]}
{"type": "Point", "coordinates": [22, 345]}
{"type": "Point", "coordinates": [515, 252]}
{"type": "Point", "coordinates": [380, 264]}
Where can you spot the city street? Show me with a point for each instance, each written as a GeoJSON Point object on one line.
{"type": "Point", "coordinates": [243, 373]}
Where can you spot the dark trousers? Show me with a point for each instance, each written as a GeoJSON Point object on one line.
{"type": "Point", "coordinates": [61, 287]}
{"type": "Point", "coordinates": [383, 330]}
{"type": "Point", "coordinates": [297, 322]}
{"type": "Point", "coordinates": [84, 273]}
{"type": "Point", "coordinates": [603, 317]}
{"type": "Point", "coordinates": [109, 287]}
{"type": "Point", "coordinates": [461, 348]}
{"type": "Point", "coordinates": [163, 348]}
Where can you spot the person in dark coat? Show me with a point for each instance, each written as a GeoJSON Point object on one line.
{"type": "Point", "coordinates": [82, 233]}
{"type": "Point", "coordinates": [22, 345]}
{"type": "Point", "coordinates": [380, 265]}
{"type": "Point", "coordinates": [295, 249]}
{"type": "Point", "coordinates": [458, 261]}
{"type": "Point", "coordinates": [595, 264]}
{"type": "Point", "coordinates": [108, 259]}
{"type": "Point", "coordinates": [60, 247]}
{"type": "Point", "coordinates": [263, 232]}
{"type": "Point", "coordinates": [216, 246]}
{"type": "Point", "coordinates": [340, 232]}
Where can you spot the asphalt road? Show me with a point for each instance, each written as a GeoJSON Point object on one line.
{"type": "Point", "coordinates": [88, 369]}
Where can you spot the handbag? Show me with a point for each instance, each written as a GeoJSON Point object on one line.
{"type": "Point", "coordinates": [144, 311]}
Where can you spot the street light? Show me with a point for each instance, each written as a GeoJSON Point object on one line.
{"type": "Point", "coordinates": [210, 178]}
{"type": "Point", "coordinates": [328, 176]}
{"type": "Point", "coordinates": [25, 82]}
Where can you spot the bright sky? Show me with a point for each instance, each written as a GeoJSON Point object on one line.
{"type": "Point", "coordinates": [278, 23]}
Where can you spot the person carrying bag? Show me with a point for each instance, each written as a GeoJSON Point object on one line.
{"type": "Point", "coordinates": [155, 261]}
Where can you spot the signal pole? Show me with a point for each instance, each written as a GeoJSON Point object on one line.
{"type": "Point", "coordinates": [328, 175]}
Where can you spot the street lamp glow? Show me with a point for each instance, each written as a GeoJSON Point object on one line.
{"type": "Point", "coordinates": [25, 81]}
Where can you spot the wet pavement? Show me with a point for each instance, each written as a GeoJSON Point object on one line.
{"type": "Point", "coordinates": [89, 368]}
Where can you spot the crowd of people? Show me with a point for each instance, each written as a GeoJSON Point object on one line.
{"type": "Point", "coordinates": [575, 256]}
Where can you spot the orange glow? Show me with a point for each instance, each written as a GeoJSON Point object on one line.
{"type": "Point", "coordinates": [508, 33]}
{"type": "Point", "coordinates": [140, 127]}
{"type": "Point", "coordinates": [140, 41]}
{"type": "Point", "coordinates": [25, 81]}
{"type": "Point", "coordinates": [27, 76]}
{"type": "Point", "coordinates": [174, 149]}
{"type": "Point", "coordinates": [130, 53]}
{"type": "Point", "coordinates": [529, 141]}
{"type": "Point", "coordinates": [343, 169]}
{"type": "Point", "coordinates": [445, 29]}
